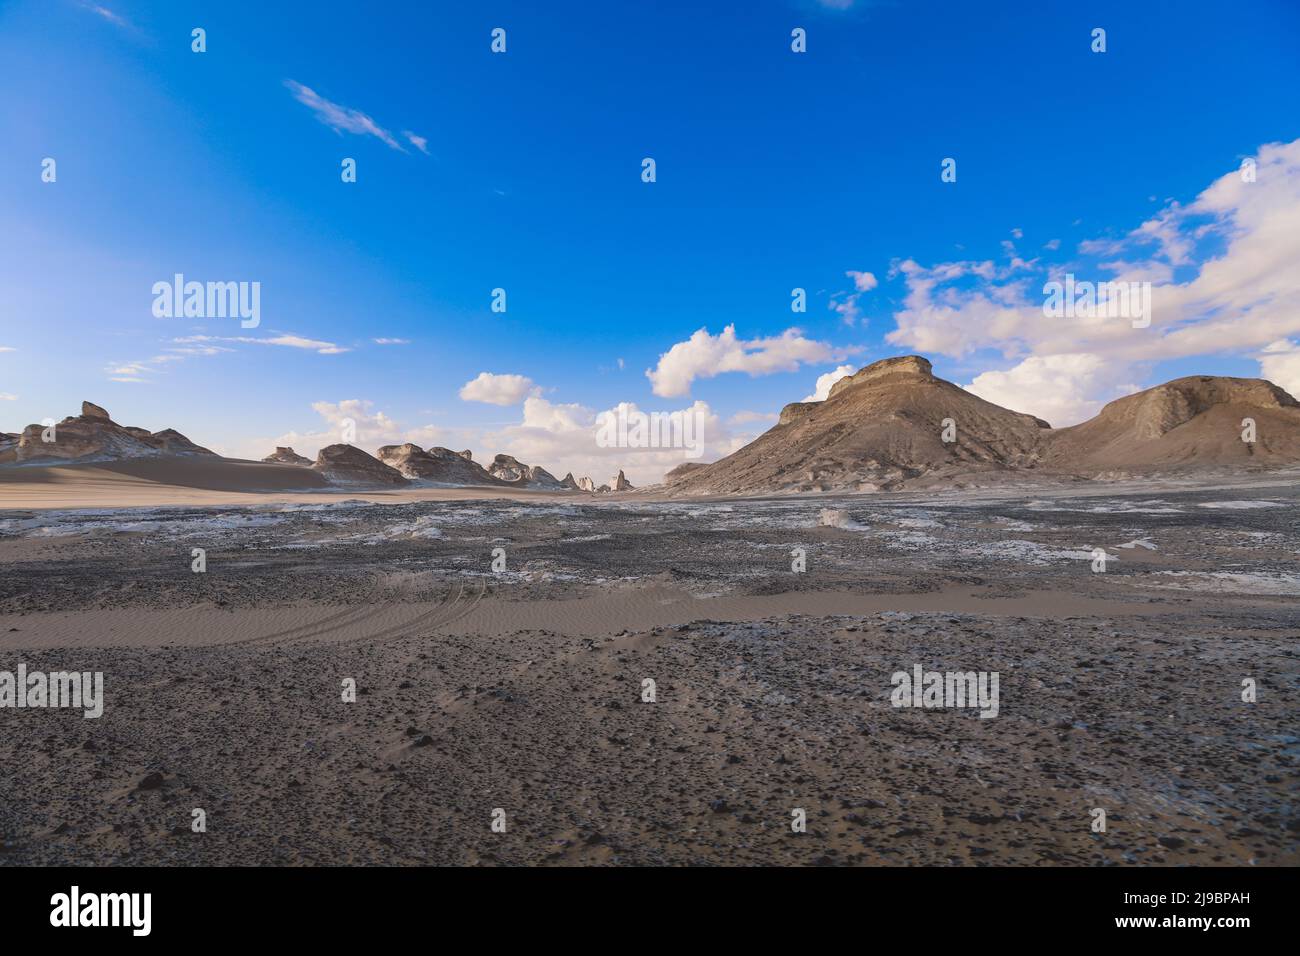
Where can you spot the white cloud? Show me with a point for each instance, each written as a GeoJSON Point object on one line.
{"type": "Point", "coordinates": [1233, 250]}
{"type": "Point", "coordinates": [1280, 364]}
{"type": "Point", "coordinates": [7, 348]}
{"type": "Point", "coordinates": [862, 281]}
{"type": "Point", "coordinates": [561, 437]}
{"type": "Point", "coordinates": [286, 340]}
{"type": "Point", "coordinates": [847, 307]}
{"type": "Point", "coordinates": [752, 418]}
{"type": "Point", "coordinates": [106, 14]}
{"type": "Point", "coordinates": [704, 356]}
{"type": "Point", "coordinates": [498, 389]}
{"type": "Point", "coordinates": [371, 426]}
{"type": "Point", "coordinates": [419, 142]}
{"type": "Point", "coordinates": [373, 430]}
{"type": "Point", "coordinates": [846, 303]}
{"type": "Point", "coordinates": [8, 397]}
{"type": "Point", "coordinates": [203, 350]}
{"type": "Point", "coordinates": [391, 341]}
{"type": "Point", "coordinates": [341, 119]}
{"type": "Point", "coordinates": [1055, 387]}
{"type": "Point", "coordinates": [822, 390]}
{"type": "Point", "coordinates": [194, 346]}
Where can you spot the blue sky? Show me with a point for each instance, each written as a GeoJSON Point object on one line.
{"type": "Point", "coordinates": [775, 170]}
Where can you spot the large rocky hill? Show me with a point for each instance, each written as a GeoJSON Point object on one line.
{"type": "Point", "coordinates": [894, 424]}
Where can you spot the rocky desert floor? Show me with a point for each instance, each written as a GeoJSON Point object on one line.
{"type": "Point", "coordinates": [517, 694]}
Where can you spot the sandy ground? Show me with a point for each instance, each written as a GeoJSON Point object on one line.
{"type": "Point", "coordinates": [522, 689]}
{"type": "Point", "coordinates": [208, 482]}
{"type": "Point", "coordinates": [196, 482]}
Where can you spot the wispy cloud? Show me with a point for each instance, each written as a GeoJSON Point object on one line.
{"type": "Point", "coordinates": [391, 341]}
{"type": "Point", "coordinates": [142, 371]}
{"type": "Point", "coordinates": [8, 397]}
{"type": "Point", "coordinates": [341, 119]}
{"type": "Point", "coordinates": [419, 142]}
{"type": "Point", "coordinates": [1223, 281]}
{"type": "Point", "coordinates": [199, 346]}
{"type": "Point", "coordinates": [846, 304]}
{"type": "Point", "coordinates": [131, 368]}
{"type": "Point", "coordinates": [286, 340]}
{"type": "Point", "coordinates": [752, 418]}
{"type": "Point", "coordinates": [106, 14]}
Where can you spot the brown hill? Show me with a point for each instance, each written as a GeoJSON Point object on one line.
{"type": "Point", "coordinates": [1189, 423]}
{"type": "Point", "coordinates": [437, 465]}
{"type": "Point", "coordinates": [682, 470]}
{"type": "Point", "coordinates": [286, 456]}
{"type": "Point", "coordinates": [879, 428]}
{"type": "Point", "coordinates": [512, 471]}
{"type": "Point", "coordinates": [93, 436]}
{"type": "Point", "coordinates": [883, 427]}
{"type": "Point", "coordinates": [349, 465]}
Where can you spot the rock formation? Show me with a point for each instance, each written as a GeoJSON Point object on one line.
{"type": "Point", "coordinates": [879, 428]}
{"type": "Point", "coordinates": [682, 470]}
{"type": "Point", "coordinates": [349, 465]}
{"type": "Point", "coordinates": [509, 469]}
{"type": "Point", "coordinates": [1189, 423]}
{"type": "Point", "coordinates": [93, 436]}
{"type": "Point", "coordinates": [286, 456]}
{"type": "Point", "coordinates": [893, 423]}
{"type": "Point", "coordinates": [435, 466]}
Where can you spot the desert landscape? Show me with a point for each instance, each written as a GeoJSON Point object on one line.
{"type": "Point", "coordinates": [559, 672]}
{"type": "Point", "coordinates": [684, 442]}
